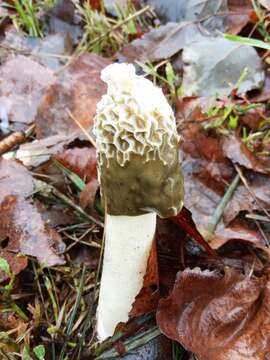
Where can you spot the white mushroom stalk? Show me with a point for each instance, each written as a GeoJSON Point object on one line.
{"type": "Point", "coordinates": [140, 176]}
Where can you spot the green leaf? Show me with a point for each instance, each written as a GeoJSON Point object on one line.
{"type": "Point", "coordinates": [170, 75]}
{"type": "Point", "coordinates": [4, 266]}
{"type": "Point", "coordinates": [247, 41]}
{"type": "Point", "coordinates": [233, 121]}
{"type": "Point", "coordinates": [39, 351]}
{"type": "Point", "coordinates": [26, 354]}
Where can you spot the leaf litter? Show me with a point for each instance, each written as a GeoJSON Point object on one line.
{"type": "Point", "coordinates": [214, 303]}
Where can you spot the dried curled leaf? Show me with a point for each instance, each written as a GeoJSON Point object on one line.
{"type": "Point", "coordinates": [218, 317]}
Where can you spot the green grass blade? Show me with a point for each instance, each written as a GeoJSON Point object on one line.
{"type": "Point", "coordinates": [247, 41]}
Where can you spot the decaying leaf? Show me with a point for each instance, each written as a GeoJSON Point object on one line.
{"type": "Point", "coordinates": [81, 161]}
{"type": "Point", "coordinates": [161, 43]}
{"type": "Point", "coordinates": [17, 263]}
{"type": "Point", "coordinates": [206, 172]}
{"type": "Point", "coordinates": [39, 151]}
{"type": "Point", "coordinates": [31, 237]}
{"type": "Point", "coordinates": [22, 83]}
{"type": "Point", "coordinates": [218, 317]}
{"type": "Point", "coordinates": [215, 65]}
{"type": "Point", "coordinates": [21, 223]}
{"type": "Point", "coordinates": [257, 199]}
{"type": "Point", "coordinates": [175, 10]}
{"type": "Point", "coordinates": [237, 152]}
{"type": "Point", "coordinates": [77, 89]}
{"type": "Point", "coordinates": [239, 15]}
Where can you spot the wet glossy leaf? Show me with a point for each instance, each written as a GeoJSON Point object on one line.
{"type": "Point", "coordinates": [218, 316]}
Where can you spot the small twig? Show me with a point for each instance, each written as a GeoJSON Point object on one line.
{"type": "Point", "coordinates": [257, 217]}
{"type": "Point", "coordinates": [14, 139]}
{"type": "Point", "coordinates": [266, 240]}
{"type": "Point", "coordinates": [218, 213]}
{"type": "Point", "coordinates": [120, 24]}
{"type": "Point", "coordinates": [86, 133]}
{"type": "Point", "coordinates": [251, 192]}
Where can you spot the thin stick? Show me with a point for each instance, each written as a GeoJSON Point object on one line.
{"type": "Point", "coordinates": [251, 192]}
{"type": "Point", "coordinates": [86, 133]}
{"type": "Point", "coordinates": [120, 24]}
{"type": "Point", "coordinates": [14, 139]}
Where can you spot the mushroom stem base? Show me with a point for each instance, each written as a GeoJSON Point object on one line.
{"type": "Point", "coordinates": [128, 241]}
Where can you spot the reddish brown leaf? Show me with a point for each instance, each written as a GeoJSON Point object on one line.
{"type": "Point", "coordinates": [238, 153]}
{"type": "Point", "coordinates": [87, 196]}
{"type": "Point", "coordinates": [77, 89]}
{"type": "Point", "coordinates": [241, 13]}
{"type": "Point", "coordinates": [22, 83]}
{"type": "Point", "coordinates": [243, 200]}
{"type": "Point", "coordinates": [253, 118]}
{"type": "Point", "coordinates": [147, 299]}
{"type": "Point", "coordinates": [218, 317]}
{"type": "Point", "coordinates": [207, 174]}
{"type": "Point", "coordinates": [184, 219]}
{"type": "Point", "coordinates": [81, 161]}
{"type": "Point", "coordinates": [16, 263]}
{"type": "Point", "coordinates": [21, 223]}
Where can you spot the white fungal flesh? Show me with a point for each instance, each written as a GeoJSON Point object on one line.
{"type": "Point", "coordinates": [133, 117]}
{"type": "Point", "coordinates": [128, 241]}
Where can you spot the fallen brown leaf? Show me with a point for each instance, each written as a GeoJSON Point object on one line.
{"type": "Point", "coordinates": [207, 174]}
{"type": "Point", "coordinates": [40, 151]}
{"type": "Point", "coordinates": [77, 89]}
{"type": "Point", "coordinates": [161, 43]}
{"type": "Point", "coordinates": [21, 222]}
{"type": "Point", "coordinates": [235, 150]}
{"type": "Point", "coordinates": [240, 14]}
{"type": "Point", "coordinates": [27, 233]}
{"type": "Point", "coordinates": [17, 263]}
{"type": "Point", "coordinates": [243, 200]}
{"type": "Point", "coordinates": [218, 317]}
{"type": "Point", "coordinates": [81, 161]}
{"type": "Point", "coordinates": [22, 84]}
{"type": "Point", "coordinates": [87, 195]}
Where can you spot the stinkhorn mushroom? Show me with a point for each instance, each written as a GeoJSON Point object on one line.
{"type": "Point", "coordinates": [140, 176]}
